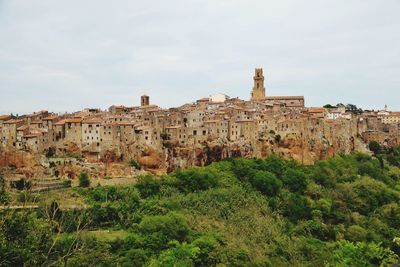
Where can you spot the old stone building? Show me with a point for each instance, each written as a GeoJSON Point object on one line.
{"type": "Point", "coordinates": [185, 134]}
{"type": "Point", "coordinates": [258, 92]}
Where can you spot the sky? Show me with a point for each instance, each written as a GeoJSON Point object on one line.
{"type": "Point", "coordinates": [72, 54]}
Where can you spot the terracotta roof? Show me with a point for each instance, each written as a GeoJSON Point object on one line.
{"type": "Point", "coordinates": [32, 135]}
{"type": "Point", "coordinates": [316, 110]}
{"type": "Point", "coordinates": [140, 128]}
{"type": "Point", "coordinates": [92, 121]}
{"type": "Point", "coordinates": [12, 121]}
{"type": "Point", "coordinates": [125, 123]}
{"type": "Point", "coordinates": [283, 97]}
{"type": "Point", "coordinates": [73, 120]}
{"type": "Point", "coordinates": [50, 118]}
{"type": "Point", "coordinates": [245, 121]}
{"type": "Point", "coordinates": [61, 122]}
{"type": "Point", "coordinates": [173, 127]}
{"type": "Point", "coordinates": [5, 117]}
{"type": "Point", "coordinates": [23, 127]}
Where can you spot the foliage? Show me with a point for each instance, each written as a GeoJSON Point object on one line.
{"type": "Point", "coordinates": [374, 147]}
{"type": "Point", "coordinates": [4, 196]}
{"type": "Point", "coordinates": [343, 211]}
{"type": "Point", "coordinates": [148, 185]}
{"type": "Point", "coordinates": [194, 179]}
{"type": "Point", "coordinates": [84, 180]}
{"type": "Point", "coordinates": [21, 184]}
{"type": "Point", "coordinates": [134, 164]}
{"type": "Point", "coordinates": [362, 254]}
{"type": "Point", "coordinates": [266, 183]}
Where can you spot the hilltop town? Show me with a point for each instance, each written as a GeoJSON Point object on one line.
{"type": "Point", "coordinates": [194, 134]}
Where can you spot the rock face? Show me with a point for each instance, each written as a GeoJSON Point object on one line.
{"type": "Point", "coordinates": [305, 148]}
{"type": "Point", "coordinates": [22, 164]}
{"type": "Point", "coordinates": [306, 143]}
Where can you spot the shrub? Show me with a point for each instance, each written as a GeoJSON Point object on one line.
{"type": "Point", "coordinates": [296, 207]}
{"type": "Point", "coordinates": [295, 180]}
{"type": "Point", "coordinates": [161, 229]}
{"type": "Point", "coordinates": [356, 233]}
{"type": "Point", "coordinates": [21, 184]}
{"type": "Point", "coordinates": [134, 164]}
{"type": "Point", "coordinates": [84, 180]}
{"type": "Point", "coordinates": [266, 183]}
{"type": "Point", "coordinates": [195, 179]}
{"type": "Point", "coordinates": [374, 147]}
{"type": "Point", "coordinates": [148, 185]}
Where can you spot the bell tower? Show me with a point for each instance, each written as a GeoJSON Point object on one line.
{"type": "Point", "coordinates": [144, 100]}
{"type": "Point", "coordinates": [258, 92]}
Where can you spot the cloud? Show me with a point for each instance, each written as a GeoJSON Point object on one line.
{"type": "Point", "coordinates": [66, 55]}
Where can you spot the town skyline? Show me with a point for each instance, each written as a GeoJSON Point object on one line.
{"type": "Point", "coordinates": [136, 102]}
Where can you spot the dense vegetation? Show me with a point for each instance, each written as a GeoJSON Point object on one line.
{"type": "Point", "coordinates": [344, 211]}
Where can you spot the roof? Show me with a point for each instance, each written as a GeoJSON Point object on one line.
{"type": "Point", "coordinates": [15, 121]}
{"type": "Point", "coordinates": [50, 118]}
{"type": "Point", "coordinates": [61, 122]}
{"type": "Point", "coordinates": [73, 120]}
{"type": "Point", "coordinates": [316, 110]}
{"type": "Point", "coordinates": [5, 117]}
{"type": "Point", "coordinates": [32, 135]}
{"type": "Point", "coordinates": [23, 128]}
{"type": "Point", "coordinates": [125, 123]}
{"type": "Point", "coordinates": [92, 121]}
{"type": "Point", "coordinates": [244, 121]}
{"type": "Point", "coordinates": [283, 97]}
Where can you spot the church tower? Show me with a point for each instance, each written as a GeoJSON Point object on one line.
{"type": "Point", "coordinates": [144, 100]}
{"type": "Point", "coordinates": [258, 92]}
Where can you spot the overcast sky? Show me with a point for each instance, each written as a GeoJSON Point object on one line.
{"type": "Point", "coordinates": [72, 54]}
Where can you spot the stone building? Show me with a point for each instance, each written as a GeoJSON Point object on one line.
{"type": "Point", "coordinates": [258, 92]}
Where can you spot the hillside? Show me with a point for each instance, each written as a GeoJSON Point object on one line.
{"type": "Point", "coordinates": [343, 211]}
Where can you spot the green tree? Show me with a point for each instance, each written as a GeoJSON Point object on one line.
{"type": "Point", "coordinates": [374, 147]}
{"type": "Point", "coordinates": [362, 254]}
{"type": "Point", "coordinates": [266, 183]}
{"type": "Point", "coordinates": [295, 180]}
{"type": "Point", "coordinates": [195, 179]}
{"type": "Point", "coordinates": [4, 197]}
{"type": "Point", "coordinates": [356, 233]}
{"type": "Point", "coordinates": [148, 185]}
{"type": "Point", "coordinates": [84, 180]}
{"type": "Point", "coordinates": [135, 164]}
{"type": "Point", "coordinates": [180, 254]}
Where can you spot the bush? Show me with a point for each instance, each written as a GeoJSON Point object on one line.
{"type": "Point", "coordinates": [295, 180]}
{"type": "Point", "coordinates": [67, 183]}
{"type": "Point", "coordinates": [148, 185]}
{"type": "Point", "coordinates": [295, 207]}
{"type": "Point", "coordinates": [21, 184]}
{"type": "Point", "coordinates": [356, 233]}
{"type": "Point", "coordinates": [266, 183]}
{"type": "Point", "coordinates": [134, 164]}
{"type": "Point", "coordinates": [195, 179]}
{"type": "Point", "coordinates": [84, 180]}
{"type": "Point", "coordinates": [374, 147]}
{"type": "Point", "coordinates": [161, 229]}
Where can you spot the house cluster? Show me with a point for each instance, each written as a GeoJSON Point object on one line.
{"type": "Point", "coordinates": [218, 117]}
